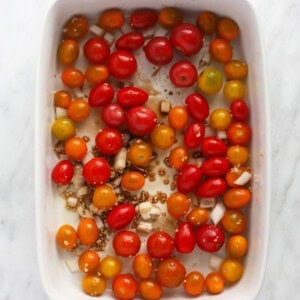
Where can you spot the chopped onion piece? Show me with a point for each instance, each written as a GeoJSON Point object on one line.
{"type": "Point", "coordinates": [243, 179]}
{"type": "Point", "coordinates": [72, 264]}
{"type": "Point", "coordinates": [72, 202]}
{"type": "Point", "coordinates": [149, 211]}
{"type": "Point", "coordinates": [60, 112]}
{"type": "Point", "coordinates": [144, 227]}
{"type": "Point", "coordinates": [97, 30]}
{"type": "Point", "coordinates": [120, 160]}
{"type": "Point", "coordinates": [79, 93]}
{"type": "Point", "coordinates": [215, 262]}
{"type": "Point", "coordinates": [217, 213]}
{"type": "Point", "coordinates": [197, 161]}
{"type": "Point", "coordinates": [221, 134]}
{"type": "Point", "coordinates": [208, 202]}
{"type": "Point", "coordinates": [83, 191]}
{"type": "Point", "coordinates": [165, 106]}
{"type": "Point", "coordinates": [99, 222]}
{"type": "Point", "coordinates": [109, 38]}
{"type": "Point", "coordinates": [204, 52]}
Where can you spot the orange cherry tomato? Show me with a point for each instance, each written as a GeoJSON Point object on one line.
{"type": "Point", "coordinates": [233, 175]}
{"type": "Point", "coordinates": [72, 78]}
{"type": "Point", "coordinates": [236, 69]}
{"type": "Point", "coordinates": [231, 270]}
{"type": "Point", "coordinates": [194, 283]}
{"type": "Point", "coordinates": [104, 197]}
{"type": "Point", "coordinates": [93, 285]}
{"type": "Point", "coordinates": [198, 216]}
{"type": "Point", "coordinates": [237, 155]}
{"type": "Point", "coordinates": [76, 148]}
{"type": "Point", "coordinates": [162, 137]}
{"type": "Point", "coordinates": [228, 29]}
{"type": "Point", "coordinates": [236, 246]}
{"type": "Point", "coordinates": [220, 50]}
{"type": "Point", "coordinates": [79, 110]}
{"type": "Point", "coordinates": [76, 28]}
{"type": "Point", "coordinates": [214, 283]}
{"type": "Point", "coordinates": [62, 99]}
{"type": "Point", "coordinates": [237, 197]}
{"type": "Point", "coordinates": [124, 286]}
{"type": "Point", "coordinates": [66, 237]}
{"type": "Point", "coordinates": [207, 22]}
{"type": "Point", "coordinates": [96, 73]}
{"type": "Point", "coordinates": [178, 157]}
{"type": "Point", "coordinates": [234, 89]}
{"type": "Point", "coordinates": [87, 231]}
{"type": "Point", "coordinates": [142, 266]}
{"type": "Point", "coordinates": [170, 17]}
{"type": "Point", "coordinates": [178, 117]}
{"type": "Point", "coordinates": [139, 153]}
{"type": "Point", "coordinates": [178, 205]}
{"type": "Point", "coordinates": [133, 180]}
{"type": "Point", "coordinates": [110, 267]}
{"type": "Point", "coordinates": [149, 289]}
{"type": "Point", "coordinates": [111, 19]}
{"type": "Point", "coordinates": [234, 221]}
{"type": "Point", "coordinates": [89, 261]}
{"type": "Point", "coordinates": [68, 52]}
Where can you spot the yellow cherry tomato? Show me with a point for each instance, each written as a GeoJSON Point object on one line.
{"type": "Point", "coordinates": [237, 155]}
{"type": "Point", "coordinates": [234, 89]}
{"type": "Point", "coordinates": [93, 285]}
{"type": "Point", "coordinates": [220, 119]}
{"type": "Point", "coordinates": [236, 246]}
{"type": "Point", "coordinates": [110, 266]}
{"type": "Point", "coordinates": [210, 81]}
{"type": "Point", "coordinates": [63, 128]}
{"type": "Point", "coordinates": [162, 137]}
{"type": "Point", "coordinates": [231, 270]}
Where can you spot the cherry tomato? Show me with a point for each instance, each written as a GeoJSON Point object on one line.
{"type": "Point", "coordinates": [63, 128]}
{"type": "Point", "coordinates": [214, 283]}
{"type": "Point", "coordinates": [96, 50]}
{"type": "Point", "coordinates": [194, 135]}
{"type": "Point", "coordinates": [68, 52]}
{"type": "Point", "coordinates": [239, 110]}
{"type": "Point", "coordinates": [133, 181]}
{"type": "Point", "coordinates": [110, 266]}
{"type": "Point", "coordinates": [159, 51]}
{"type": "Point", "coordinates": [93, 285]}
{"type": "Point", "coordinates": [72, 78]}
{"type": "Point", "coordinates": [66, 237]}
{"type": "Point", "coordinates": [186, 38]}
{"type": "Point", "coordinates": [109, 141]}
{"type": "Point", "coordinates": [63, 172]}
{"type": "Point", "coordinates": [76, 148]}
{"type": "Point", "coordinates": [236, 69]}
{"type": "Point", "coordinates": [178, 158]}
{"type": "Point", "coordinates": [215, 166]}
{"type": "Point", "coordinates": [76, 28]}
{"type": "Point", "coordinates": [178, 117]}
{"type": "Point", "coordinates": [141, 120]}
{"type": "Point", "coordinates": [104, 197]}
{"type": "Point", "coordinates": [239, 133]}
{"type": "Point", "coordinates": [143, 19]}
{"type": "Point", "coordinates": [96, 73]}
{"type": "Point", "coordinates": [211, 187]}
{"type": "Point", "coordinates": [142, 266]}
{"type": "Point", "coordinates": [220, 119]}
{"type": "Point", "coordinates": [212, 146]}
{"type": "Point", "coordinates": [231, 270]}
{"type": "Point", "coordinates": [237, 197]}
{"type": "Point", "coordinates": [150, 289]}
{"type": "Point", "coordinates": [120, 216]}
{"type": "Point", "coordinates": [178, 205]}
{"type": "Point", "coordinates": [160, 245]}
{"type": "Point", "coordinates": [101, 94]}
{"type": "Point", "coordinates": [207, 22]}
{"type": "Point", "coordinates": [228, 29]}
{"type": "Point", "coordinates": [234, 89]}
{"type": "Point", "coordinates": [139, 153]}
{"type": "Point", "coordinates": [236, 246]}
{"type": "Point", "coordinates": [162, 137]}
{"type": "Point", "coordinates": [124, 287]}
{"type": "Point", "coordinates": [126, 243]}
{"type": "Point", "coordinates": [198, 216]}
{"type": "Point", "coordinates": [188, 178]}
{"type": "Point", "coordinates": [96, 171]}
{"type": "Point", "coordinates": [197, 106]}
{"type": "Point", "coordinates": [220, 50]}
{"type": "Point", "coordinates": [113, 115]}
{"type": "Point", "coordinates": [237, 155]}
{"type": "Point", "coordinates": [232, 175]}
{"type": "Point", "coordinates": [183, 74]}
{"type": "Point", "coordinates": [62, 99]}
{"type": "Point", "coordinates": [184, 240]}
{"type": "Point", "coordinates": [130, 41]}
{"type": "Point", "coordinates": [78, 110]}
{"type": "Point", "coordinates": [111, 19]}
{"type": "Point", "coordinates": [169, 17]}
{"type": "Point", "coordinates": [87, 231]}
{"type": "Point", "coordinates": [234, 221]}
{"type": "Point", "coordinates": [122, 64]}
{"type": "Point", "coordinates": [131, 96]}
{"type": "Point", "coordinates": [210, 237]}
{"type": "Point", "coordinates": [194, 283]}
{"type": "Point", "coordinates": [89, 261]}
{"type": "Point", "coordinates": [210, 81]}
{"type": "Point", "coordinates": [170, 273]}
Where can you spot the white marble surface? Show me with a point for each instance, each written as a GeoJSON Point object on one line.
{"type": "Point", "coordinates": [19, 31]}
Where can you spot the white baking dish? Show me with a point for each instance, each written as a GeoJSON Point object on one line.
{"type": "Point", "coordinates": [58, 281]}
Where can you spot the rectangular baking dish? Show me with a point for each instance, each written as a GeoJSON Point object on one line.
{"type": "Point", "coordinates": [59, 283]}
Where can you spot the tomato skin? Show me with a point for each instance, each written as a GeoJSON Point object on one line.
{"type": "Point", "coordinates": [109, 141]}
{"type": "Point", "coordinates": [186, 38]}
{"type": "Point", "coordinates": [160, 245]}
{"type": "Point", "coordinates": [143, 18]}
{"type": "Point", "coordinates": [120, 216]}
{"type": "Point", "coordinates": [210, 238]}
{"type": "Point", "coordinates": [188, 178]}
{"type": "Point", "coordinates": [96, 50]}
{"type": "Point", "coordinates": [141, 120]}
{"type": "Point", "coordinates": [183, 74]}
{"type": "Point", "coordinates": [101, 94]}
{"type": "Point", "coordinates": [197, 106]}
{"type": "Point", "coordinates": [184, 239]}
{"type": "Point", "coordinates": [211, 187]}
{"type": "Point", "coordinates": [212, 146]}
{"type": "Point", "coordinates": [131, 96]}
{"type": "Point", "coordinates": [124, 287]}
{"type": "Point", "coordinates": [194, 135]}
{"type": "Point", "coordinates": [113, 115]}
{"type": "Point", "coordinates": [239, 110]}
{"type": "Point", "coordinates": [237, 197]}
{"type": "Point", "coordinates": [63, 172]}
{"type": "Point", "coordinates": [96, 171]}
{"type": "Point", "coordinates": [239, 133]}
{"type": "Point", "coordinates": [215, 166]}
{"type": "Point", "coordinates": [126, 243]}
{"type": "Point", "coordinates": [130, 41]}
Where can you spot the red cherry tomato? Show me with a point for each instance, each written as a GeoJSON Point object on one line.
{"type": "Point", "coordinates": [120, 216]}
{"type": "Point", "coordinates": [212, 146]}
{"type": "Point", "coordinates": [96, 50]}
{"type": "Point", "coordinates": [122, 64]}
{"type": "Point", "coordinates": [109, 141]}
{"type": "Point", "coordinates": [113, 115]}
{"type": "Point", "coordinates": [160, 245]}
{"type": "Point", "coordinates": [210, 238]}
{"type": "Point", "coordinates": [96, 171]}
{"type": "Point", "coordinates": [194, 135]}
{"type": "Point", "coordinates": [187, 38]}
{"type": "Point", "coordinates": [239, 110]}
{"type": "Point", "coordinates": [141, 120]}
{"type": "Point", "coordinates": [184, 240]}
{"type": "Point", "coordinates": [183, 74]}
{"type": "Point", "coordinates": [126, 243]}
{"type": "Point", "coordinates": [143, 18]}
{"type": "Point", "coordinates": [63, 172]}
{"type": "Point", "coordinates": [197, 106]}
{"type": "Point", "coordinates": [130, 41]}
{"type": "Point", "coordinates": [101, 94]}
{"type": "Point", "coordinates": [159, 51]}
{"type": "Point", "coordinates": [239, 133]}
{"type": "Point", "coordinates": [188, 178]}
{"type": "Point", "coordinates": [211, 187]}
{"type": "Point", "coordinates": [215, 166]}
{"type": "Point", "coordinates": [131, 96]}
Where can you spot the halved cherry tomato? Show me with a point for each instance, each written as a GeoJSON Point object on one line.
{"type": "Point", "coordinates": [87, 231]}
{"type": "Point", "coordinates": [130, 41]}
{"type": "Point", "coordinates": [139, 153]}
{"type": "Point", "coordinates": [236, 246]}
{"type": "Point", "coordinates": [237, 197]}
{"type": "Point", "coordinates": [207, 22]}
{"type": "Point", "coordinates": [197, 106]}
{"type": "Point", "coordinates": [212, 146]}
{"type": "Point", "coordinates": [239, 110]}
{"type": "Point", "coordinates": [96, 50]}
{"type": "Point", "coordinates": [126, 243]}
{"type": "Point", "coordinates": [96, 73]}
{"type": "Point", "coordinates": [211, 187]}
{"type": "Point", "coordinates": [111, 19]}
{"type": "Point", "coordinates": [162, 137]}
{"type": "Point", "coordinates": [72, 78]}
{"type": "Point", "coordinates": [183, 74]}
{"type": "Point", "coordinates": [160, 245]}
{"type": "Point", "coordinates": [63, 172]}
{"type": "Point", "coordinates": [194, 283]}
{"type": "Point", "coordinates": [228, 29]}
{"type": "Point", "coordinates": [178, 157]}
{"type": "Point", "coordinates": [184, 239]}
{"type": "Point", "coordinates": [62, 99]}
{"type": "Point", "coordinates": [198, 216]}
{"type": "Point", "coordinates": [215, 166]}
{"type": "Point", "coordinates": [178, 117]}
{"type": "Point", "coordinates": [101, 94]}
{"type": "Point", "coordinates": [236, 69]}
{"type": "Point", "coordinates": [220, 50]}
{"type": "Point", "coordinates": [194, 135]}
{"type": "Point", "coordinates": [210, 238]}
{"type": "Point", "coordinates": [89, 261]}
{"type": "Point", "coordinates": [131, 96]}
{"type": "Point", "coordinates": [120, 216]}
{"type": "Point", "coordinates": [109, 141]}
{"type": "Point", "coordinates": [143, 18]}
{"type": "Point", "coordinates": [239, 133]}
{"type": "Point", "coordinates": [234, 221]}
{"type": "Point", "coordinates": [178, 205]}
{"type": "Point", "coordinates": [188, 178]}
{"type": "Point", "coordinates": [214, 283]}
{"type": "Point", "coordinates": [76, 28]}
{"type": "Point", "coordinates": [110, 266]}
{"type": "Point", "coordinates": [104, 197]}
{"type": "Point", "coordinates": [113, 115]}
{"type": "Point", "coordinates": [93, 284]}
{"type": "Point", "coordinates": [66, 237]}
{"type": "Point", "coordinates": [142, 266]}
{"type": "Point", "coordinates": [68, 52]}
{"type": "Point", "coordinates": [231, 270]}
{"type": "Point", "coordinates": [78, 110]}
{"type": "Point", "coordinates": [133, 180]}
{"type": "Point", "coordinates": [149, 289]}
{"type": "Point", "coordinates": [169, 17]}
{"type": "Point", "coordinates": [76, 148]}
